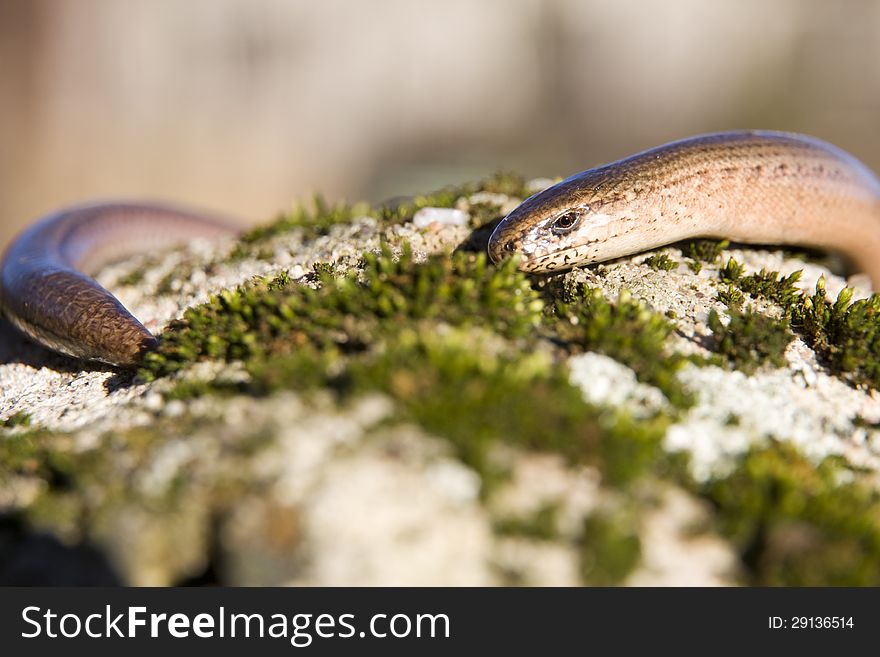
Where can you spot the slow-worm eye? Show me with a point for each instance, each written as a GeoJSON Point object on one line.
{"type": "Point", "coordinates": [565, 222]}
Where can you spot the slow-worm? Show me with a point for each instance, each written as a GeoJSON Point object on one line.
{"type": "Point", "coordinates": [753, 187]}
{"type": "Point", "coordinates": [45, 284]}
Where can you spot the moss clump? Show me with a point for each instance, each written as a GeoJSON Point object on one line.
{"type": "Point", "coordinates": [626, 331]}
{"type": "Point", "coordinates": [768, 285]}
{"type": "Point", "coordinates": [610, 547]}
{"type": "Point", "coordinates": [502, 182]}
{"type": "Point", "coordinates": [193, 388]}
{"type": "Point", "coordinates": [402, 210]}
{"type": "Point", "coordinates": [458, 386]}
{"type": "Point", "coordinates": [320, 217]}
{"type": "Point", "coordinates": [731, 272]}
{"type": "Point", "coordinates": [731, 296]}
{"type": "Point", "coordinates": [480, 402]}
{"type": "Point", "coordinates": [312, 222]}
{"type": "Point", "coordinates": [25, 454]}
{"type": "Point", "coordinates": [509, 183]}
{"type": "Point", "coordinates": [796, 524]}
{"type": "Point", "coordinates": [541, 524]}
{"type": "Point", "coordinates": [274, 317]}
{"type": "Point", "coordinates": [19, 419]}
{"type": "Point", "coordinates": [846, 336]}
{"type": "Point", "coordinates": [704, 250]}
{"type": "Point", "coordinates": [390, 327]}
{"type": "Point", "coordinates": [483, 214]}
{"type": "Point", "coordinates": [134, 277]}
{"type": "Point", "coordinates": [661, 262]}
{"type": "Point", "coordinates": [750, 340]}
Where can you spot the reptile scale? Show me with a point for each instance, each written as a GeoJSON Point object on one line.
{"type": "Point", "coordinates": [753, 187]}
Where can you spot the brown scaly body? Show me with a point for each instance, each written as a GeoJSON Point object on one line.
{"type": "Point", "coordinates": [45, 289]}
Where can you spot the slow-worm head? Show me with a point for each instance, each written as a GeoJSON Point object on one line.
{"type": "Point", "coordinates": [753, 186]}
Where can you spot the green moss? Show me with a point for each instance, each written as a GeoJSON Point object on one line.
{"type": "Point", "coordinates": [265, 318]}
{"type": "Point", "coordinates": [845, 335]}
{"type": "Point", "coordinates": [703, 250]}
{"type": "Point", "coordinates": [193, 388]}
{"type": "Point", "coordinates": [768, 285]}
{"type": "Point", "coordinates": [731, 272]}
{"type": "Point", "coordinates": [311, 222]}
{"type": "Point", "coordinates": [731, 296]}
{"type": "Point", "coordinates": [695, 266]}
{"type": "Point", "coordinates": [19, 419]}
{"type": "Point", "coordinates": [796, 524]}
{"type": "Point", "coordinates": [541, 524]}
{"type": "Point", "coordinates": [402, 210]}
{"type": "Point", "coordinates": [483, 214]}
{"type": "Point", "coordinates": [458, 386]}
{"type": "Point", "coordinates": [305, 369]}
{"type": "Point", "coordinates": [165, 285]}
{"type": "Point", "coordinates": [281, 281]}
{"type": "Point", "coordinates": [505, 182]}
{"type": "Point", "coordinates": [479, 402]}
{"type": "Point", "coordinates": [750, 340]}
{"type": "Point", "coordinates": [134, 277]}
{"type": "Point", "coordinates": [378, 330]}
{"type": "Point", "coordinates": [610, 547]}
{"type": "Point", "coordinates": [661, 262]}
{"type": "Point", "coordinates": [23, 453]}
{"type": "Point", "coordinates": [627, 331]}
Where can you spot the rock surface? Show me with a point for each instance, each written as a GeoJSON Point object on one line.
{"type": "Point", "coordinates": [307, 489]}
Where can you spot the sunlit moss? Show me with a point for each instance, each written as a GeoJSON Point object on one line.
{"type": "Point", "coordinates": [750, 340]}
{"type": "Point", "coordinates": [704, 250]}
{"type": "Point", "coordinates": [782, 291]}
{"type": "Point", "coordinates": [19, 419]}
{"type": "Point", "coordinates": [844, 333]}
{"type": "Point", "coordinates": [661, 262]}
{"type": "Point", "coordinates": [797, 523]}
{"type": "Point", "coordinates": [350, 311]}
{"type": "Point", "coordinates": [625, 330]}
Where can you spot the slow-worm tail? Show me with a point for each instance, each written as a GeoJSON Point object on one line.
{"type": "Point", "coordinates": [45, 285]}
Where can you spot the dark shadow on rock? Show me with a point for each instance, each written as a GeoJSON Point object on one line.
{"type": "Point", "coordinates": [121, 379]}
{"type": "Point", "coordinates": [478, 240]}
{"type": "Point", "coordinates": [212, 573]}
{"type": "Point", "coordinates": [704, 340]}
{"type": "Point", "coordinates": [18, 348]}
{"type": "Point", "coordinates": [30, 558]}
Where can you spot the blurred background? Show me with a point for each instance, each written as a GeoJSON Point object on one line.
{"type": "Point", "coordinates": [244, 106]}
